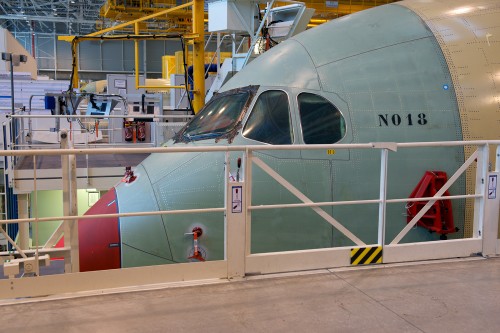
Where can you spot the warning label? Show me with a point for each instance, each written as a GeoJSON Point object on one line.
{"type": "Point", "coordinates": [492, 187]}
{"type": "Point", "coordinates": [236, 199]}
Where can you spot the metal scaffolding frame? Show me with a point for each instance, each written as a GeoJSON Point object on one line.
{"type": "Point", "coordinates": [82, 17]}
{"type": "Point", "coordinates": [62, 16]}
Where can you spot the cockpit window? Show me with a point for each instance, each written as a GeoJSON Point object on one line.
{"type": "Point", "coordinates": [269, 121]}
{"type": "Point", "coordinates": [221, 116]}
{"type": "Point", "coordinates": [321, 121]}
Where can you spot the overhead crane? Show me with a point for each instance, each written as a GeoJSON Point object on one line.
{"type": "Point", "coordinates": [180, 21]}
{"type": "Point", "coordinates": [196, 36]}
{"type": "Point", "coordinates": [126, 10]}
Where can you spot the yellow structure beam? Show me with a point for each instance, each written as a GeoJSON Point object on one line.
{"type": "Point", "coordinates": [181, 21]}
{"type": "Point", "coordinates": [197, 35]}
{"type": "Point", "coordinates": [119, 10]}
{"type": "Point", "coordinates": [145, 18]}
{"type": "Point", "coordinates": [198, 55]}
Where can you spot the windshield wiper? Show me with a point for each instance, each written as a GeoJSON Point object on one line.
{"type": "Point", "coordinates": [204, 136]}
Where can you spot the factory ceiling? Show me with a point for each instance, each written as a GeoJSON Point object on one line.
{"type": "Point", "coordinates": [81, 17]}
{"type": "Point", "coordinates": [59, 16]}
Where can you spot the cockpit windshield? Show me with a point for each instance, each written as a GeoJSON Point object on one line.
{"type": "Point", "coordinates": [221, 117]}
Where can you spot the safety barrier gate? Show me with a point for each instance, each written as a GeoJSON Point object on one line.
{"type": "Point", "coordinates": [239, 261]}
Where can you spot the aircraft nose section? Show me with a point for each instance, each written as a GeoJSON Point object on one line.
{"type": "Point", "coordinates": [99, 237]}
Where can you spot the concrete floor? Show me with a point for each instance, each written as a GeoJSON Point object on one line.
{"type": "Point", "coordinates": [451, 296]}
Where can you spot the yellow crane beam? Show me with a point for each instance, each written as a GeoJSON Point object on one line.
{"type": "Point", "coordinates": [198, 47]}
{"type": "Point", "coordinates": [124, 10]}
{"type": "Point", "coordinates": [199, 54]}
{"type": "Point", "coordinates": [142, 19]}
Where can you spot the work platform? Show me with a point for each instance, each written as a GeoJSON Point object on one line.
{"type": "Point", "coordinates": [97, 171]}
{"type": "Point", "coordinates": [452, 295]}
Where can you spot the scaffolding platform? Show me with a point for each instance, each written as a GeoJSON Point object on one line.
{"type": "Point", "coordinates": [95, 171]}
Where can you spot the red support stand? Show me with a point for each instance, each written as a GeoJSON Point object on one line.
{"type": "Point", "coordinates": [439, 218]}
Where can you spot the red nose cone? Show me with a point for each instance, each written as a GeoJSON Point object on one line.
{"type": "Point", "coordinates": [99, 237]}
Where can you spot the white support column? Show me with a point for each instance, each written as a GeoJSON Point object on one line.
{"type": "Point", "coordinates": [66, 204]}
{"type": "Point", "coordinates": [235, 230]}
{"type": "Point", "coordinates": [481, 188]}
{"type": "Point", "coordinates": [384, 154]}
{"type": "Point", "coordinates": [68, 165]}
{"type": "Point", "coordinates": [226, 189]}
{"type": "Point", "coordinates": [24, 228]}
{"type": "Point", "coordinates": [491, 215]}
{"type": "Point", "coordinates": [75, 247]}
{"type": "Point", "coordinates": [247, 178]}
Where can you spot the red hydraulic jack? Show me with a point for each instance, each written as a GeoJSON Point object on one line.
{"type": "Point", "coordinates": [198, 253]}
{"type": "Point", "coordinates": [439, 218]}
{"type": "Point", "coordinates": [129, 176]}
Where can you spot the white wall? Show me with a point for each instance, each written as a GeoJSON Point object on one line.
{"type": "Point", "coordinates": [9, 44]}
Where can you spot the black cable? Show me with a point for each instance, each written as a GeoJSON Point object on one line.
{"type": "Point", "coordinates": [272, 42]}
{"type": "Point", "coordinates": [273, 22]}
{"type": "Point", "coordinates": [74, 107]}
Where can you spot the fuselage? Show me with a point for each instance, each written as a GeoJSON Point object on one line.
{"type": "Point", "coordinates": [404, 72]}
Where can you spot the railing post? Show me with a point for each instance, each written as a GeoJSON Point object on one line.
{"type": "Point", "coordinates": [235, 228]}
{"type": "Point", "coordinates": [68, 166]}
{"type": "Point", "coordinates": [247, 174]}
{"type": "Point", "coordinates": [8, 145]}
{"type": "Point", "coordinates": [384, 153]}
{"type": "Point", "coordinates": [491, 215]}
{"type": "Point", "coordinates": [384, 158]}
{"type": "Point", "coordinates": [24, 228]}
{"type": "Point", "coordinates": [481, 188]}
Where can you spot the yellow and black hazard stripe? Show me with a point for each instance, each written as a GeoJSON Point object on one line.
{"type": "Point", "coordinates": [366, 255]}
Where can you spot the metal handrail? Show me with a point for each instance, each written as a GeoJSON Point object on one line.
{"type": "Point", "coordinates": [248, 148]}
{"type": "Point", "coordinates": [248, 151]}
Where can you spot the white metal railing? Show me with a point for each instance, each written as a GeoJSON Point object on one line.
{"type": "Point", "coordinates": [239, 260]}
{"type": "Point", "coordinates": [102, 134]}
{"type": "Point", "coordinates": [96, 131]}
